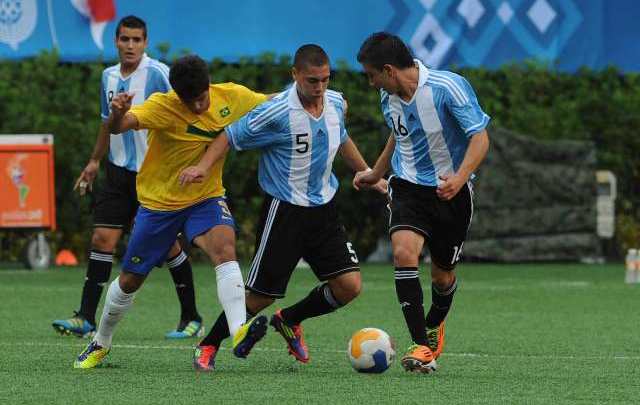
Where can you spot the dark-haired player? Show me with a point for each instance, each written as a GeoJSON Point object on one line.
{"type": "Point", "coordinates": [438, 140]}
{"type": "Point", "coordinates": [181, 124]}
{"type": "Point", "coordinates": [299, 133]}
{"type": "Point", "coordinates": [117, 201]}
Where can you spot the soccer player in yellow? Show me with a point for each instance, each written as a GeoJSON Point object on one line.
{"type": "Point", "coordinates": [181, 125]}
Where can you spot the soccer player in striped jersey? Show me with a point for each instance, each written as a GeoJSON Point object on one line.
{"type": "Point", "coordinates": [438, 139]}
{"type": "Point", "coordinates": [299, 133]}
{"type": "Point", "coordinates": [181, 124]}
{"type": "Point", "coordinates": [117, 201]}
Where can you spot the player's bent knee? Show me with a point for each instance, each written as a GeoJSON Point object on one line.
{"type": "Point", "coordinates": [403, 257]}
{"type": "Point", "coordinates": [175, 249]}
{"type": "Point", "coordinates": [443, 279]}
{"type": "Point", "coordinates": [104, 241]}
{"type": "Point", "coordinates": [350, 292]}
{"type": "Point", "coordinates": [223, 252]}
{"type": "Point", "coordinates": [130, 283]}
{"type": "Point", "coordinates": [346, 289]}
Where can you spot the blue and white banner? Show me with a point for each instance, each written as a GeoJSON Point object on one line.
{"type": "Point", "coordinates": [568, 33]}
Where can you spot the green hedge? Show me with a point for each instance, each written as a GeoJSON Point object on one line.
{"type": "Point", "coordinates": [42, 95]}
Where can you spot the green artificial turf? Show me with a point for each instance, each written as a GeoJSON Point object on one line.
{"type": "Point", "coordinates": [517, 334]}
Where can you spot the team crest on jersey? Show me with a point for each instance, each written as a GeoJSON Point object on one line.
{"type": "Point", "coordinates": [135, 259]}
{"type": "Point", "coordinates": [225, 111]}
{"type": "Point", "coordinates": [18, 19]}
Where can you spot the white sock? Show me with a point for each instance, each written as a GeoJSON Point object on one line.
{"type": "Point", "coordinates": [231, 294]}
{"type": "Point", "coordinates": [116, 306]}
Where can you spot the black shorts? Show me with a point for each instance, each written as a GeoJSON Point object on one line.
{"type": "Point", "coordinates": [444, 224]}
{"type": "Point", "coordinates": [117, 201]}
{"type": "Point", "coordinates": [288, 232]}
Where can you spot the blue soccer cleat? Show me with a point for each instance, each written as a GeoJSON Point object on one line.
{"type": "Point", "coordinates": [186, 329]}
{"type": "Point", "coordinates": [77, 325]}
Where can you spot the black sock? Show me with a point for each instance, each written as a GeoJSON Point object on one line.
{"type": "Point", "coordinates": [409, 293]}
{"type": "Point", "coordinates": [320, 301]}
{"type": "Point", "coordinates": [220, 330]}
{"type": "Point", "coordinates": [98, 272]}
{"type": "Point", "coordinates": [440, 304]}
{"type": "Point", "coordinates": [182, 275]}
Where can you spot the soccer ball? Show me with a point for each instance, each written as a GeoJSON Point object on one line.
{"type": "Point", "coordinates": [371, 350]}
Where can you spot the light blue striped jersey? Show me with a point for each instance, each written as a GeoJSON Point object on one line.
{"type": "Point", "coordinates": [432, 130]}
{"type": "Point", "coordinates": [151, 76]}
{"type": "Point", "coordinates": [297, 149]}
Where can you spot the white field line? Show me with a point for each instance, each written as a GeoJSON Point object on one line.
{"type": "Point", "coordinates": [262, 349]}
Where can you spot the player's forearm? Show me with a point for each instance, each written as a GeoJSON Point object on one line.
{"type": "Point", "coordinates": [383, 164]}
{"type": "Point", "coordinates": [214, 152]}
{"type": "Point", "coordinates": [476, 152]}
{"type": "Point", "coordinates": [102, 143]}
{"type": "Point", "coordinates": [115, 123]}
{"type": "Point", "coordinates": [352, 156]}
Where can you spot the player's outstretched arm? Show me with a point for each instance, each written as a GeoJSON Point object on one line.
{"type": "Point", "coordinates": [215, 151]}
{"type": "Point", "coordinates": [119, 120]}
{"type": "Point", "coordinates": [453, 182]}
{"type": "Point", "coordinates": [352, 156]}
{"type": "Point", "coordinates": [356, 162]}
{"type": "Point", "coordinates": [370, 178]}
{"type": "Point", "coordinates": [85, 180]}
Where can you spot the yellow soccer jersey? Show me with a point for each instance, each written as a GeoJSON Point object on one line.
{"type": "Point", "coordinates": [178, 138]}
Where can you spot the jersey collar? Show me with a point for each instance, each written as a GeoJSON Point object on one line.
{"type": "Point", "coordinates": [294, 100]}
{"type": "Point", "coordinates": [423, 72]}
{"type": "Point", "coordinates": [143, 64]}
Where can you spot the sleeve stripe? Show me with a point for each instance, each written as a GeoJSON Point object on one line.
{"type": "Point", "coordinates": [256, 122]}
{"type": "Point", "coordinates": [159, 65]}
{"type": "Point", "coordinates": [383, 95]}
{"type": "Point", "coordinates": [485, 119]}
{"type": "Point", "coordinates": [454, 87]}
{"type": "Point", "coordinates": [164, 72]}
{"type": "Point", "coordinates": [455, 96]}
{"type": "Point", "coordinates": [333, 93]}
{"type": "Point", "coordinates": [336, 100]}
{"type": "Point", "coordinates": [266, 114]}
{"type": "Point", "coordinates": [275, 117]}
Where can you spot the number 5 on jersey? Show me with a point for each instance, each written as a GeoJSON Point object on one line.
{"type": "Point", "coordinates": [352, 252]}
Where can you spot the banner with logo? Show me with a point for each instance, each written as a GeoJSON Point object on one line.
{"type": "Point", "coordinates": [566, 33]}
{"type": "Point", "coordinates": [27, 185]}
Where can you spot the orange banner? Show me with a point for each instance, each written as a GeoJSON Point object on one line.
{"type": "Point", "coordinates": [27, 197]}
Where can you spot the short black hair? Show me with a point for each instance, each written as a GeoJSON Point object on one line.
{"type": "Point", "coordinates": [189, 77]}
{"type": "Point", "coordinates": [310, 54]}
{"type": "Point", "coordinates": [382, 48]}
{"type": "Point", "coordinates": [131, 21]}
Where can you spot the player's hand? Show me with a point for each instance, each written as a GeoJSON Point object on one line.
{"type": "Point", "coordinates": [381, 186]}
{"type": "Point", "coordinates": [453, 182]}
{"type": "Point", "coordinates": [192, 174]}
{"type": "Point", "coordinates": [85, 180]}
{"type": "Point", "coordinates": [365, 179]}
{"type": "Point", "coordinates": [121, 103]}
